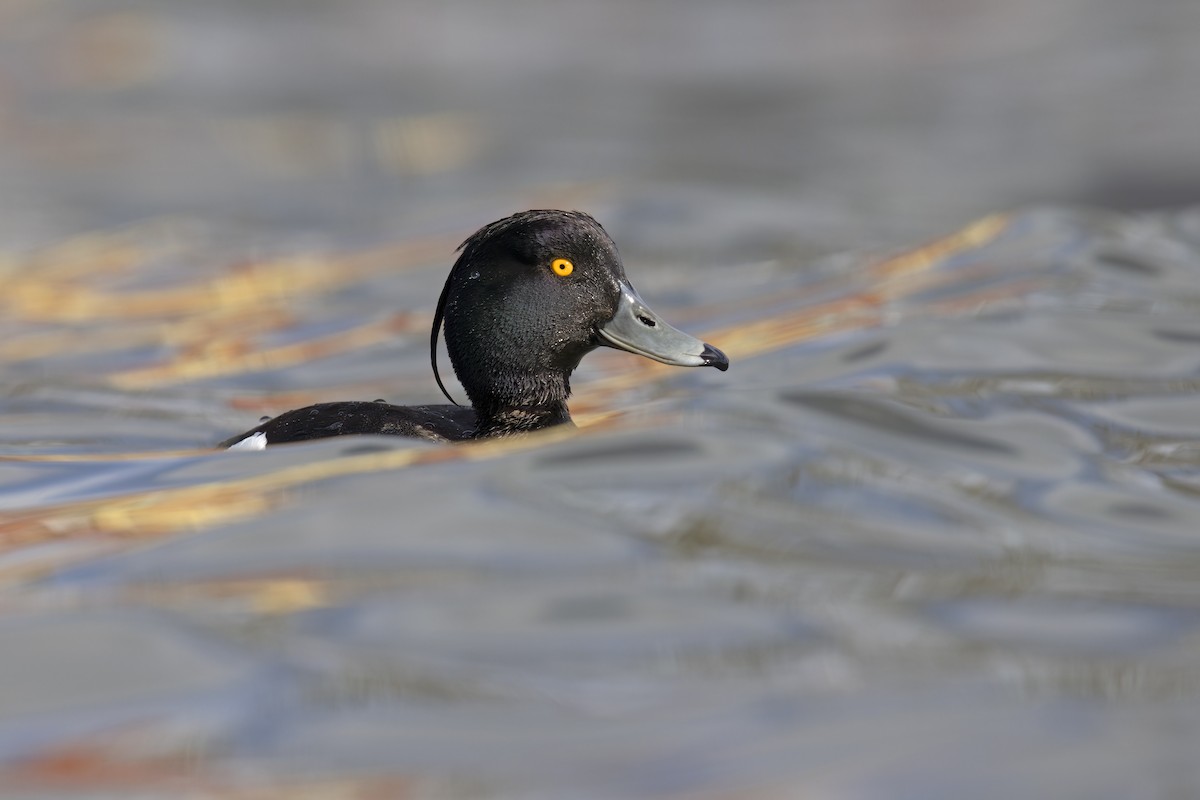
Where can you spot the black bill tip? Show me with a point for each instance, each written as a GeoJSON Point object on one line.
{"type": "Point", "coordinates": [712, 357]}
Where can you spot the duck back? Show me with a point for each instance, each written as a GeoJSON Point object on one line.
{"type": "Point", "coordinates": [440, 423]}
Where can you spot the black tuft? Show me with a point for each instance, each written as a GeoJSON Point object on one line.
{"type": "Point", "coordinates": [438, 316]}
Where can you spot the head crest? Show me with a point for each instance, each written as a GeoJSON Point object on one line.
{"type": "Point", "coordinates": [438, 317]}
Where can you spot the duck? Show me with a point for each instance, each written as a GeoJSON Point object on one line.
{"type": "Point", "coordinates": [527, 298]}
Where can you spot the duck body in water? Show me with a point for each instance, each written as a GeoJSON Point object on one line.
{"type": "Point", "coordinates": [529, 296]}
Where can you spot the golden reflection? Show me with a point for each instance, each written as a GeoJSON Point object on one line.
{"type": "Point", "coordinates": [428, 143]}
{"type": "Point", "coordinates": [287, 595]}
{"type": "Point", "coordinates": [888, 280]}
{"type": "Point", "coordinates": [224, 356]}
{"type": "Point", "coordinates": [112, 50]}
{"type": "Point", "coordinates": [166, 511]}
{"type": "Point", "coordinates": [310, 144]}
{"type": "Point", "coordinates": [157, 756]}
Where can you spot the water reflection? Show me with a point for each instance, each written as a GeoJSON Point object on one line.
{"type": "Point", "coordinates": [896, 495]}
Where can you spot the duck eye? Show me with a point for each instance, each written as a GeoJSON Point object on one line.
{"type": "Point", "coordinates": [562, 268]}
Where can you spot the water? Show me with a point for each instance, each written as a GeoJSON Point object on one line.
{"type": "Point", "coordinates": [934, 534]}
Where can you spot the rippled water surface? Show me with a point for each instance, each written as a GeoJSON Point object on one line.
{"type": "Point", "coordinates": [936, 533]}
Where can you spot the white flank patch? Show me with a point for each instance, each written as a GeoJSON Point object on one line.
{"type": "Point", "coordinates": [256, 442]}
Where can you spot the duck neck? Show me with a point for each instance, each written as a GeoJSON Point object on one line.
{"type": "Point", "coordinates": [520, 419]}
{"type": "Point", "coordinates": [529, 404]}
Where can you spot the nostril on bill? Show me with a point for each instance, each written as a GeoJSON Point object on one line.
{"type": "Point", "coordinates": [649, 323]}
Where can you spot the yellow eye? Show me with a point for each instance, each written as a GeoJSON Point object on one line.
{"type": "Point", "coordinates": [562, 267]}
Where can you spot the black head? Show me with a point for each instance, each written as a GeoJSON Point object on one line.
{"type": "Point", "coordinates": [533, 293]}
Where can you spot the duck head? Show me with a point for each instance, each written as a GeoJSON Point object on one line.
{"type": "Point", "coordinates": [528, 297]}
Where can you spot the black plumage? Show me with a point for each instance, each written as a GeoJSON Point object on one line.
{"type": "Point", "coordinates": [528, 297]}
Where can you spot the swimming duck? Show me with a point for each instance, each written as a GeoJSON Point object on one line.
{"type": "Point", "coordinates": [528, 297]}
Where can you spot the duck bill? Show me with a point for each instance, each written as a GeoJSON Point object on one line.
{"type": "Point", "coordinates": [636, 328]}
